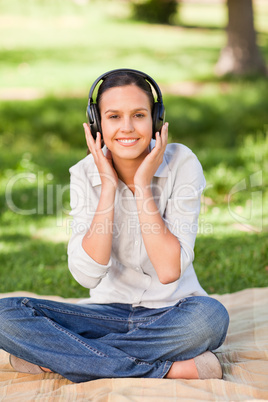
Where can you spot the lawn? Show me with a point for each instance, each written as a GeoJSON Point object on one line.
{"type": "Point", "coordinates": [51, 52]}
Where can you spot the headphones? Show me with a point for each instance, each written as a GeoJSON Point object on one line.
{"type": "Point", "coordinates": [93, 115]}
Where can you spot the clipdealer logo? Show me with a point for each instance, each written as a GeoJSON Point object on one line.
{"type": "Point", "coordinates": [48, 198]}
{"type": "Point", "coordinates": [250, 217]}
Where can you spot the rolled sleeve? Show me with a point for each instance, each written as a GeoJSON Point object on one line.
{"type": "Point", "coordinates": [84, 269]}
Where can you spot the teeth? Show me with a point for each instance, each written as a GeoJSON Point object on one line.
{"type": "Point", "coordinates": [127, 141]}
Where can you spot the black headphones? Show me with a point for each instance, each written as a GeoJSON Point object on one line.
{"type": "Point", "coordinates": [158, 113]}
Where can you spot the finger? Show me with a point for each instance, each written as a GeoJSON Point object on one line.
{"type": "Point", "coordinates": [158, 143]}
{"type": "Point", "coordinates": [90, 141]}
{"type": "Point", "coordinates": [98, 148]}
{"type": "Point", "coordinates": [164, 128]}
{"type": "Point", "coordinates": [88, 135]}
{"type": "Point", "coordinates": [98, 141]}
{"type": "Point", "coordinates": [164, 134]}
{"type": "Point", "coordinates": [86, 128]}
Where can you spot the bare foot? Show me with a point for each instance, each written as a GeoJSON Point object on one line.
{"type": "Point", "coordinates": [183, 369]}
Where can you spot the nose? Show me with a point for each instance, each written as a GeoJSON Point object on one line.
{"type": "Point", "coordinates": [127, 125]}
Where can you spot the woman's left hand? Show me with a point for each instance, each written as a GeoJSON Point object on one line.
{"type": "Point", "coordinates": [153, 160]}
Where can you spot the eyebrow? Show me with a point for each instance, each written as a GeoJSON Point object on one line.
{"type": "Point", "coordinates": [134, 110]}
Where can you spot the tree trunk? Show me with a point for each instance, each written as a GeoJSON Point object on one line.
{"type": "Point", "coordinates": [241, 55]}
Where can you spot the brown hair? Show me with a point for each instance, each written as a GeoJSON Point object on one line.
{"type": "Point", "coordinates": [121, 79]}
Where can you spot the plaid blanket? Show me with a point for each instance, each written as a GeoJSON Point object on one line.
{"type": "Point", "coordinates": [244, 357]}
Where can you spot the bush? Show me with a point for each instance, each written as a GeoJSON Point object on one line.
{"type": "Point", "coordinates": [158, 11]}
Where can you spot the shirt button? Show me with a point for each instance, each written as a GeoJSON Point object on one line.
{"type": "Point", "coordinates": [137, 268]}
{"type": "Point", "coordinates": [136, 242]}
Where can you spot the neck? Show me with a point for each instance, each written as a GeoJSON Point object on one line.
{"type": "Point", "coordinates": [126, 170]}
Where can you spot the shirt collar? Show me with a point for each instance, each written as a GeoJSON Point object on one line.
{"type": "Point", "coordinates": [162, 170]}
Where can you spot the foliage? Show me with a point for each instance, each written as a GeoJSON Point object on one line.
{"type": "Point", "coordinates": [231, 247]}
{"type": "Point", "coordinates": [50, 120]}
{"type": "Point", "coordinates": [60, 47]}
{"type": "Point", "coordinates": [157, 11]}
{"type": "Point", "coordinates": [219, 119]}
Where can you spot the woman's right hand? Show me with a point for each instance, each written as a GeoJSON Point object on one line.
{"type": "Point", "coordinates": [103, 162]}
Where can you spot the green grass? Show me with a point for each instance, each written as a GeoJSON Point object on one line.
{"type": "Point", "coordinates": [212, 117]}
{"type": "Point", "coordinates": [62, 46]}
{"type": "Point", "coordinates": [51, 51]}
{"type": "Point", "coordinates": [231, 263]}
{"type": "Point", "coordinates": [231, 247]}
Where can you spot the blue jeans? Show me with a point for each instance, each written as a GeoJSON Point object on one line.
{"type": "Point", "coordinates": [87, 342]}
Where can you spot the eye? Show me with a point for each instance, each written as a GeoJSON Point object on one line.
{"type": "Point", "coordinates": [139, 115]}
{"type": "Point", "coordinates": [113, 116]}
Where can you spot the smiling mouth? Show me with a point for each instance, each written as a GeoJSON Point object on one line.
{"type": "Point", "coordinates": [126, 141]}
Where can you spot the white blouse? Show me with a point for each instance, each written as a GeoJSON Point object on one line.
{"type": "Point", "coordinates": [129, 277]}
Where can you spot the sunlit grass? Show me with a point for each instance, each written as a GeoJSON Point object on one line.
{"type": "Point", "coordinates": [228, 263]}
{"type": "Point", "coordinates": [231, 246]}
{"type": "Point", "coordinates": [198, 15]}
{"type": "Point", "coordinates": [59, 46]}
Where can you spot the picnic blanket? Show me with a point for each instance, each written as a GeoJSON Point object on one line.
{"type": "Point", "coordinates": [244, 358]}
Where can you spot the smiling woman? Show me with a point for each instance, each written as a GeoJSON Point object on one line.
{"type": "Point", "coordinates": [128, 124]}
{"type": "Point", "coordinates": [135, 203]}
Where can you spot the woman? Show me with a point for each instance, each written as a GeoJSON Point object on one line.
{"type": "Point", "coordinates": [135, 205]}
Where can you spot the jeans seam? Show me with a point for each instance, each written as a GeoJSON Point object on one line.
{"type": "Point", "coordinates": [181, 301]}
{"type": "Point", "coordinates": [108, 318]}
{"type": "Point", "coordinates": [81, 314]}
{"type": "Point", "coordinates": [139, 362]}
{"type": "Point", "coordinates": [59, 328]}
{"type": "Point", "coordinates": [166, 369]}
{"type": "Point", "coordinates": [151, 321]}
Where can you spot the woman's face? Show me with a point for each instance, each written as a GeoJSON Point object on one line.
{"type": "Point", "coordinates": [126, 120]}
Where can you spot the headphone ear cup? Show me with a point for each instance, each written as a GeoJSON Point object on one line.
{"type": "Point", "coordinates": [158, 117]}
{"type": "Point", "coordinates": [94, 119]}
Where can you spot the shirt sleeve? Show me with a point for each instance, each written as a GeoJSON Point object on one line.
{"type": "Point", "coordinates": [84, 269]}
{"type": "Point", "coordinates": [183, 205]}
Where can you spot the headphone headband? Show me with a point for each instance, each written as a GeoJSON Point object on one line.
{"type": "Point", "coordinates": [92, 109]}
{"type": "Point", "coordinates": [126, 70]}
